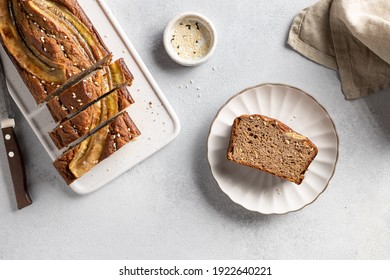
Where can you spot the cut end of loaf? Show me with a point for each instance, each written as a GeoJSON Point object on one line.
{"type": "Point", "coordinates": [77, 161]}
{"type": "Point", "coordinates": [269, 145]}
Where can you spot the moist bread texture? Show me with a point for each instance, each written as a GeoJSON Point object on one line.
{"type": "Point", "coordinates": [269, 145]}
{"type": "Point", "coordinates": [77, 161]}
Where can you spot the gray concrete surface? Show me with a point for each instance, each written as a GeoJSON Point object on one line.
{"type": "Point", "coordinates": [169, 206]}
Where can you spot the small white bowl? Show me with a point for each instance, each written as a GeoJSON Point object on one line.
{"type": "Point", "coordinates": [169, 30]}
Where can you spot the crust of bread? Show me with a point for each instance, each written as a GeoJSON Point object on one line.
{"type": "Point", "coordinates": [88, 91]}
{"type": "Point", "coordinates": [39, 88]}
{"type": "Point", "coordinates": [122, 125]}
{"type": "Point", "coordinates": [82, 123]}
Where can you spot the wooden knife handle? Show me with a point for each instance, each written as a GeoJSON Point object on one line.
{"type": "Point", "coordinates": [17, 169]}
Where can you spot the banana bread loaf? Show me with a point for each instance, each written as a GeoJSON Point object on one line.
{"type": "Point", "coordinates": [64, 62]}
{"type": "Point", "coordinates": [79, 160]}
{"type": "Point", "coordinates": [91, 118]}
{"type": "Point", "coordinates": [269, 145]}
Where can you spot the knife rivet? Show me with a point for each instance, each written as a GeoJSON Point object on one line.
{"type": "Point", "coordinates": [11, 154]}
{"type": "Point", "coordinates": [7, 137]}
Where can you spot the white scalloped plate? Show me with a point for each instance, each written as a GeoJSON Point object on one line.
{"type": "Point", "coordinates": [260, 191]}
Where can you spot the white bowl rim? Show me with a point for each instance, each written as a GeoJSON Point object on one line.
{"type": "Point", "coordinates": [167, 37]}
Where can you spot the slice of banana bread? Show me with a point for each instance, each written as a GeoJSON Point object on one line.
{"type": "Point", "coordinates": [86, 121]}
{"type": "Point", "coordinates": [80, 159]}
{"type": "Point", "coordinates": [269, 145]}
{"type": "Point", "coordinates": [89, 90]}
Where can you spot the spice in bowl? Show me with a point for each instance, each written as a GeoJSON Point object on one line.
{"type": "Point", "coordinates": [190, 39]}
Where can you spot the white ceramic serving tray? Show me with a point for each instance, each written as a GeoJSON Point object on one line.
{"type": "Point", "coordinates": [151, 112]}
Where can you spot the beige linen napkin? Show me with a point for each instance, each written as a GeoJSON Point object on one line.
{"type": "Point", "coordinates": [351, 36]}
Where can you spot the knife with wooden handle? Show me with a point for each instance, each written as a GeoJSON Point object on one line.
{"type": "Point", "coordinates": [14, 155]}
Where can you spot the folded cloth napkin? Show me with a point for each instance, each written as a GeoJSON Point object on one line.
{"type": "Point", "coordinates": [351, 36]}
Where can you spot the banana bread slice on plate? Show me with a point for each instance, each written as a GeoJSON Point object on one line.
{"type": "Point", "coordinates": [269, 145]}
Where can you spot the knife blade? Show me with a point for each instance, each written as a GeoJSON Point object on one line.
{"type": "Point", "coordinates": [14, 155]}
